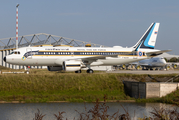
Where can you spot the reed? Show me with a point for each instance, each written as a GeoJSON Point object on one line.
{"type": "Point", "coordinates": [100, 112]}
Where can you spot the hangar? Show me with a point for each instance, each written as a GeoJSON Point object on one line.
{"type": "Point", "coordinates": [7, 45]}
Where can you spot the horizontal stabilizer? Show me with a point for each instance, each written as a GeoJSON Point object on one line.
{"type": "Point", "coordinates": [156, 53]}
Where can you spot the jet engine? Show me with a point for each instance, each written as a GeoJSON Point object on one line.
{"type": "Point", "coordinates": [124, 66]}
{"type": "Point", "coordinates": [72, 65]}
{"type": "Point", "coordinates": [174, 66]}
{"type": "Point", "coordinates": [54, 68]}
{"type": "Point", "coordinates": [137, 67]}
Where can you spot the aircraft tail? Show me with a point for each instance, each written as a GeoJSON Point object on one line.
{"type": "Point", "coordinates": [148, 39]}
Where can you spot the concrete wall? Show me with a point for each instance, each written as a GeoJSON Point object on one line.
{"type": "Point", "coordinates": [166, 88]}
{"type": "Point", "coordinates": [149, 89]}
{"type": "Point", "coordinates": [160, 89]}
{"type": "Point", "coordinates": [152, 90]}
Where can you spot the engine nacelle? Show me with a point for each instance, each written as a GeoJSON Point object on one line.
{"type": "Point", "coordinates": [54, 68]}
{"type": "Point", "coordinates": [124, 66]}
{"type": "Point", "coordinates": [137, 67]}
{"type": "Point", "coordinates": [72, 65]}
{"type": "Point", "coordinates": [167, 67]}
{"type": "Point", "coordinates": [174, 66]}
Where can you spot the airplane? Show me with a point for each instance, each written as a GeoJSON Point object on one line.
{"type": "Point", "coordinates": [150, 64]}
{"type": "Point", "coordinates": [147, 64]}
{"type": "Point", "coordinates": [76, 58]}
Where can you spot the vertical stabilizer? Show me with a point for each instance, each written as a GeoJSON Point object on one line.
{"type": "Point", "coordinates": [148, 39]}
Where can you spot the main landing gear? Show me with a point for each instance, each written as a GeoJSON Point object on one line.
{"type": "Point", "coordinates": [89, 71]}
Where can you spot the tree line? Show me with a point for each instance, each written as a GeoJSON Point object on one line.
{"type": "Point", "coordinates": [173, 59]}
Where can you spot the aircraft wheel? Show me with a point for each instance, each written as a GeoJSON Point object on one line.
{"type": "Point", "coordinates": [78, 71]}
{"type": "Point", "coordinates": [89, 71]}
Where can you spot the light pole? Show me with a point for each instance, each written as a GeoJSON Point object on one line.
{"type": "Point", "coordinates": [17, 26]}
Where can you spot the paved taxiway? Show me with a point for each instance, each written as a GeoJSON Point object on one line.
{"type": "Point", "coordinates": [153, 72]}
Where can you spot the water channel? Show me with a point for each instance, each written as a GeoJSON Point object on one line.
{"type": "Point", "coordinates": [26, 111]}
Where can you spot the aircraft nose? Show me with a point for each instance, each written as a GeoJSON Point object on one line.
{"type": "Point", "coordinates": [162, 63]}
{"type": "Point", "coordinates": [4, 59]}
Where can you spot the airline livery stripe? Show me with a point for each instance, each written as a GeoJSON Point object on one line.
{"type": "Point", "coordinates": [39, 53]}
{"type": "Point", "coordinates": [83, 51]}
{"type": "Point", "coordinates": [85, 55]}
{"type": "Point", "coordinates": [73, 65]}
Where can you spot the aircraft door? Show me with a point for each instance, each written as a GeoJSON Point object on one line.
{"type": "Point", "coordinates": [29, 53]}
{"type": "Point", "coordinates": [72, 54]}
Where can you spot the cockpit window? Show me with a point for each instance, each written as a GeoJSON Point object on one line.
{"type": "Point", "coordinates": [15, 52]}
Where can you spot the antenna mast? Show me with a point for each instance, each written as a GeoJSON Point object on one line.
{"type": "Point", "coordinates": [17, 26]}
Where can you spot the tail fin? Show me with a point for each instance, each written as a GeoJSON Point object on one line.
{"type": "Point", "coordinates": [149, 38]}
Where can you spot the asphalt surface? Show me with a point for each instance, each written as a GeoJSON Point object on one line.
{"type": "Point", "coordinates": [152, 72]}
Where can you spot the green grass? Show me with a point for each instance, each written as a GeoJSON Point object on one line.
{"type": "Point", "coordinates": [42, 86]}
{"type": "Point", "coordinates": [55, 86]}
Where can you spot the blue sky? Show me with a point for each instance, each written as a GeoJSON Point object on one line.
{"type": "Point", "coordinates": [107, 22]}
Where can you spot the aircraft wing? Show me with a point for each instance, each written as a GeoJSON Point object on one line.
{"type": "Point", "coordinates": [93, 58]}
{"type": "Point", "coordinates": [152, 54]}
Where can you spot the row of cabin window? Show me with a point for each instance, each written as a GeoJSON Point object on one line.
{"type": "Point", "coordinates": [53, 53]}
{"type": "Point", "coordinates": [84, 53]}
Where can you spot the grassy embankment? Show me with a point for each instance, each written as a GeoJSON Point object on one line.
{"type": "Point", "coordinates": [43, 86]}
{"type": "Point", "coordinates": [53, 86]}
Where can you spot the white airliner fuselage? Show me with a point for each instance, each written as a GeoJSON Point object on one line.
{"type": "Point", "coordinates": [75, 58]}
{"type": "Point", "coordinates": [54, 56]}
{"type": "Point", "coordinates": [153, 62]}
